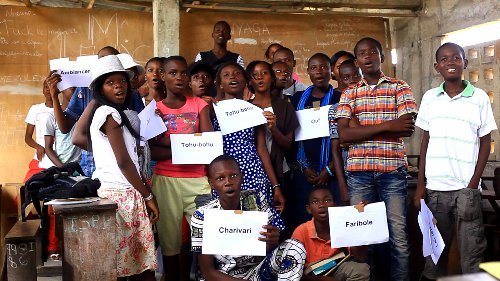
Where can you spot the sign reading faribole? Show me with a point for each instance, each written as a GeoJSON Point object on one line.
{"type": "Point", "coordinates": [199, 148]}
{"type": "Point", "coordinates": [235, 115]}
{"type": "Point", "coordinates": [233, 233]}
{"type": "Point", "coordinates": [351, 227]}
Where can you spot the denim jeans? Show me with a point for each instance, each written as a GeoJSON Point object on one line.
{"type": "Point", "coordinates": [391, 188]}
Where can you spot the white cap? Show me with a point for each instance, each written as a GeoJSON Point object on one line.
{"type": "Point", "coordinates": [128, 62]}
{"type": "Point", "coordinates": [107, 65]}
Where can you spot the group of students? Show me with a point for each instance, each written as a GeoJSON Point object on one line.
{"type": "Point", "coordinates": [263, 168]}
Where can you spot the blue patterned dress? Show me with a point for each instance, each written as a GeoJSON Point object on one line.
{"type": "Point", "coordinates": [241, 145]}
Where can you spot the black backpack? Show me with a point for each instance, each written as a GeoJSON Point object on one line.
{"type": "Point", "coordinates": [57, 183]}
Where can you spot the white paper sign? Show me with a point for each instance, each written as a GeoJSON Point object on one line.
{"type": "Point", "coordinates": [196, 148]}
{"type": "Point", "coordinates": [349, 228]}
{"type": "Point", "coordinates": [151, 124]}
{"type": "Point", "coordinates": [313, 123]}
{"type": "Point", "coordinates": [73, 73]}
{"type": "Point", "coordinates": [229, 233]}
{"type": "Point", "coordinates": [56, 64]}
{"type": "Point", "coordinates": [432, 242]}
{"type": "Point", "coordinates": [235, 115]}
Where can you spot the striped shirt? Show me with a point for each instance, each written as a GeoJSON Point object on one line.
{"type": "Point", "coordinates": [455, 126]}
{"type": "Point", "coordinates": [389, 99]}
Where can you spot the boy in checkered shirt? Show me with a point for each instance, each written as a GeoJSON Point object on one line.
{"type": "Point", "coordinates": [376, 168]}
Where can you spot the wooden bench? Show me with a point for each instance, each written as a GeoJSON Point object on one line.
{"type": "Point", "coordinates": [23, 251]}
{"type": "Point", "coordinates": [88, 235]}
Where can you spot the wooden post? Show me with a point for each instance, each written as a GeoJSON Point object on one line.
{"type": "Point", "coordinates": [23, 251]}
{"type": "Point", "coordinates": [88, 233]}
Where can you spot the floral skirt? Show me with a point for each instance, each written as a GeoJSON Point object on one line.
{"type": "Point", "coordinates": [135, 251]}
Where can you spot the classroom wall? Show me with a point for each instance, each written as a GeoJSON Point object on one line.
{"type": "Point", "coordinates": [306, 35]}
{"type": "Point", "coordinates": [29, 37]}
{"type": "Point", "coordinates": [417, 39]}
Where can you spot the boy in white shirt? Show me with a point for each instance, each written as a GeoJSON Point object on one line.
{"type": "Point", "coordinates": [457, 120]}
{"type": "Point", "coordinates": [35, 123]}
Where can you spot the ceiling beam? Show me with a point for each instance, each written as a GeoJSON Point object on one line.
{"type": "Point", "coordinates": [134, 2]}
{"type": "Point", "coordinates": [323, 11]}
{"type": "Point", "coordinates": [360, 4]}
{"type": "Point", "coordinates": [11, 3]}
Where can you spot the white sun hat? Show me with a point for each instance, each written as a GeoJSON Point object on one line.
{"type": "Point", "coordinates": [107, 65]}
{"type": "Point", "coordinates": [128, 62]}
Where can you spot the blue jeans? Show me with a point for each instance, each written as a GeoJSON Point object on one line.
{"type": "Point", "coordinates": [391, 188]}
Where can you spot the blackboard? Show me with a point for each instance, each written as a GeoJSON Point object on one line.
{"type": "Point", "coordinates": [29, 37]}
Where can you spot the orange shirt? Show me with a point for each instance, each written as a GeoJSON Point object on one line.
{"type": "Point", "coordinates": [316, 248]}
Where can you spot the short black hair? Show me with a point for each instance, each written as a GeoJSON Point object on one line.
{"type": "Point", "coordinates": [251, 67]}
{"type": "Point", "coordinates": [338, 55]}
{"type": "Point", "coordinates": [174, 58]}
{"type": "Point", "coordinates": [281, 62]}
{"type": "Point", "coordinates": [450, 44]}
{"type": "Point", "coordinates": [226, 64]}
{"type": "Point", "coordinates": [316, 188]}
{"type": "Point", "coordinates": [224, 23]}
{"type": "Point", "coordinates": [156, 59]}
{"type": "Point", "coordinates": [222, 158]}
{"type": "Point", "coordinates": [347, 63]}
{"type": "Point", "coordinates": [266, 54]}
{"type": "Point", "coordinates": [110, 49]}
{"type": "Point", "coordinates": [369, 39]}
{"type": "Point", "coordinates": [285, 49]}
{"type": "Point", "coordinates": [200, 66]}
{"type": "Point", "coordinates": [319, 55]}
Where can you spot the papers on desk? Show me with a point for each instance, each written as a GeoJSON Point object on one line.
{"type": "Point", "coordinates": [69, 201]}
{"type": "Point", "coordinates": [432, 242]}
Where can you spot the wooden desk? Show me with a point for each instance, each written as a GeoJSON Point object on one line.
{"type": "Point", "coordinates": [88, 233]}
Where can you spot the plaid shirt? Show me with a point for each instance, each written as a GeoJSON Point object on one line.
{"type": "Point", "coordinates": [390, 99]}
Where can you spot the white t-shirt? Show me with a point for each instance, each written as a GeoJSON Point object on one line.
{"type": "Point", "coordinates": [65, 150]}
{"type": "Point", "coordinates": [37, 116]}
{"type": "Point", "coordinates": [455, 126]}
{"type": "Point", "coordinates": [106, 166]}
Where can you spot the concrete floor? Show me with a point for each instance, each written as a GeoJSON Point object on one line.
{"type": "Point", "coordinates": [51, 271]}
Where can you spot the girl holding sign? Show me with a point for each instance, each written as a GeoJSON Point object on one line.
{"type": "Point", "coordinates": [114, 143]}
{"type": "Point", "coordinates": [177, 186]}
{"type": "Point", "coordinates": [281, 121]}
{"type": "Point", "coordinates": [249, 148]}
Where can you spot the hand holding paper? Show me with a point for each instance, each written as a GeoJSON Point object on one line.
{"type": "Point", "coordinates": [235, 115]}
{"type": "Point", "coordinates": [432, 242]}
{"type": "Point", "coordinates": [313, 123]}
{"type": "Point", "coordinates": [227, 232]}
{"type": "Point", "coordinates": [350, 226]}
{"type": "Point", "coordinates": [151, 124]}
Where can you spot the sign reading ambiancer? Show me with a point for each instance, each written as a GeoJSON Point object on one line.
{"type": "Point", "coordinates": [349, 227]}
{"type": "Point", "coordinates": [233, 233]}
{"type": "Point", "coordinates": [73, 73]}
{"type": "Point", "coordinates": [235, 115]}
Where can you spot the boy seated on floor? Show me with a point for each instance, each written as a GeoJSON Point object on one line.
{"type": "Point", "coordinates": [315, 236]}
{"type": "Point", "coordinates": [284, 261]}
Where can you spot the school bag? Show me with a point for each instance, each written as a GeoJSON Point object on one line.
{"type": "Point", "coordinates": [63, 182]}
